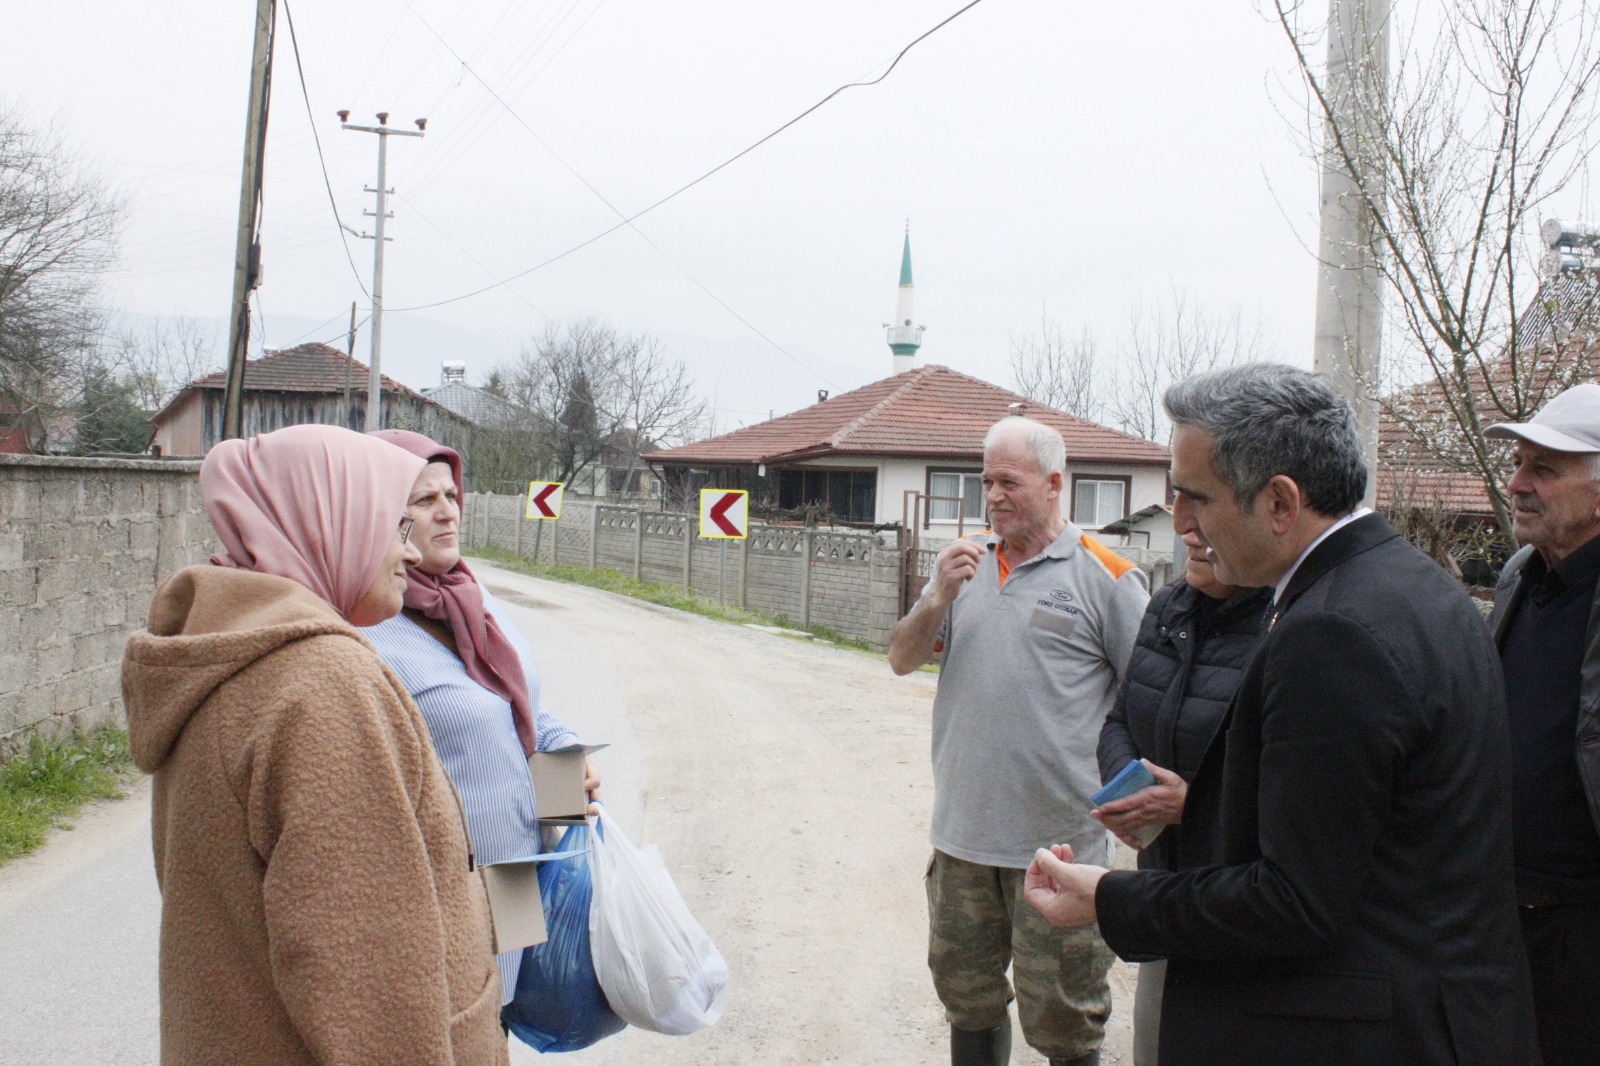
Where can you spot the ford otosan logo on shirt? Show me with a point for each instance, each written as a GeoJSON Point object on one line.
{"type": "Point", "coordinates": [1060, 600]}
{"type": "Point", "coordinates": [1050, 615]}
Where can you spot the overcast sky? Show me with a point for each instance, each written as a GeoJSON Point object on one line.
{"type": "Point", "coordinates": [1051, 154]}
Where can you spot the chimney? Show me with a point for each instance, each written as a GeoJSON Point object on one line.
{"type": "Point", "coordinates": [452, 370]}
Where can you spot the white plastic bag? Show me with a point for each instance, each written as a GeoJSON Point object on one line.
{"type": "Point", "coordinates": [658, 968]}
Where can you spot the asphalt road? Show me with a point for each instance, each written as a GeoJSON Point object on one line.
{"type": "Point", "coordinates": [785, 782]}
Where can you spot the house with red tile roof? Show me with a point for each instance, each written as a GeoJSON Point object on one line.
{"type": "Point", "coordinates": [1427, 480]}
{"type": "Point", "coordinates": [309, 383]}
{"type": "Point", "coordinates": [858, 455]}
{"type": "Point", "coordinates": [1420, 446]}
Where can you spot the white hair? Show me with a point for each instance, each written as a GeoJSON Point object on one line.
{"type": "Point", "coordinates": [1045, 443]}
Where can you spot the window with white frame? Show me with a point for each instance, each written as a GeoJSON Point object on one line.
{"type": "Point", "coordinates": [967, 486]}
{"type": "Point", "coordinates": [1096, 503]}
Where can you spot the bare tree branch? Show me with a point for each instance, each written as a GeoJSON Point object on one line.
{"type": "Point", "coordinates": [1166, 341]}
{"type": "Point", "coordinates": [594, 397]}
{"type": "Point", "coordinates": [1057, 372]}
{"type": "Point", "coordinates": [57, 235]}
{"type": "Point", "coordinates": [1486, 117]}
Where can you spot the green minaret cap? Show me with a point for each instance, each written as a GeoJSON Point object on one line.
{"type": "Point", "coordinates": [905, 262]}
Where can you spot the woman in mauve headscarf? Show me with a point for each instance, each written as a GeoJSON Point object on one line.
{"type": "Point", "coordinates": [318, 899]}
{"type": "Point", "coordinates": [471, 672]}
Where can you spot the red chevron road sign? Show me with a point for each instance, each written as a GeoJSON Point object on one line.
{"type": "Point", "coordinates": [544, 499]}
{"type": "Point", "coordinates": [724, 513]}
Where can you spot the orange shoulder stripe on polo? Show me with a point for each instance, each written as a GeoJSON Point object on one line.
{"type": "Point", "coordinates": [1108, 558]}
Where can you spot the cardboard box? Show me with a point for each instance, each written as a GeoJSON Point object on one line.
{"type": "Point", "coordinates": [558, 783]}
{"type": "Point", "coordinates": [515, 904]}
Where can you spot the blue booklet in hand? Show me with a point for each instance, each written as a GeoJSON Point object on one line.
{"type": "Point", "coordinates": [1130, 779]}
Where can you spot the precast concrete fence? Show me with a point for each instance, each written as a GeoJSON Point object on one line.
{"type": "Point", "coordinates": [83, 545]}
{"type": "Point", "coordinates": [85, 542]}
{"type": "Point", "coordinates": [846, 580]}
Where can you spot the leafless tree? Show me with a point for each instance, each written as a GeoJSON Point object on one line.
{"type": "Point", "coordinates": [594, 397]}
{"type": "Point", "coordinates": [1487, 115]}
{"type": "Point", "coordinates": [654, 403]}
{"type": "Point", "coordinates": [159, 359]}
{"type": "Point", "coordinates": [58, 225]}
{"type": "Point", "coordinates": [1167, 340]}
{"type": "Point", "coordinates": [1059, 373]}
{"type": "Point", "coordinates": [1165, 343]}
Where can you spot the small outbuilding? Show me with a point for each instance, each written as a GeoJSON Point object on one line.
{"type": "Point", "coordinates": [309, 383]}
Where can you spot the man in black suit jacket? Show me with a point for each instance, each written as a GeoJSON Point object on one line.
{"type": "Point", "coordinates": [1360, 907]}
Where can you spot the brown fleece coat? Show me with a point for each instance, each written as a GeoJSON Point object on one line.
{"type": "Point", "coordinates": [318, 904]}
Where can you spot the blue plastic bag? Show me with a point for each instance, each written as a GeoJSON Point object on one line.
{"type": "Point", "coordinates": [558, 1004]}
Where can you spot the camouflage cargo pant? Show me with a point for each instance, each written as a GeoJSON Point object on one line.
{"type": "Point", "coordinates": [978, 922]}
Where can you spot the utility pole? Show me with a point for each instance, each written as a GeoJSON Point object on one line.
{"type": "Point", "coordinates": [374, 375]}
{"type": "Point", "coordinates": [349, 362]}
{"type": "Point", "coordinates": [1349, 324]}
{"type": "Point", "coordinates": [247, 251]}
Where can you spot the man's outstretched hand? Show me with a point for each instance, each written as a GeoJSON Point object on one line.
{"type": "Point", "coordinates": [1060, 889]}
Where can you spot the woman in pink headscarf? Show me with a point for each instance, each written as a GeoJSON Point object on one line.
{"type": "Point", "coordinates": [318, 903]}
{"type": "Point", "coordinates": [472, 673]}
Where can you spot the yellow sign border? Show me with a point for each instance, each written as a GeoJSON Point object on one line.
{"type": "Point", "coordinates": [527, 509]}
{"type": "Point", "coordinates": [704, 513]}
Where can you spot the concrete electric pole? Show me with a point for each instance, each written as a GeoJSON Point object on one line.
{"type": "Point", "coordinates": [349, 361]}
{"type": "Point", "coordinates": [384, 132]}
{"type": "Point", "coordinates": [1349, 329]}
{"type": "Point", "coordinates": [247, 252]}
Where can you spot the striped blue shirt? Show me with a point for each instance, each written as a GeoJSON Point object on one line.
{"type": "Point", "coordinates": [476, 738]}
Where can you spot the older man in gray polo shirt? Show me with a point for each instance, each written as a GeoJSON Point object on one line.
{"type": "Point", "coordinates": [1035, 622]}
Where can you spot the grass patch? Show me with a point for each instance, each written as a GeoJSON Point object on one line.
{"type": "Point", "coordinates": [50, 780]}
{"type": "Point", "coordinates": [673, 596]}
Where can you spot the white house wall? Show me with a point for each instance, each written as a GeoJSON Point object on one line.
{"type": "Point", "coordinates": [895, 476]}
{"type": "Point", "coordinates": [1149, 484]}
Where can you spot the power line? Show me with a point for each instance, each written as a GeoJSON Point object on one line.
{"type": "Point", "coordinates": [525, 48]}
{"type": "Point", "coordinates": [378, 59]}
{"type": "Point", "coordinates": [630, 219]}
{"type": "Point", "coordinates": [462, 249]}
{"type": "Point", "coordinates": [319, 326]}
{"type": "Point", "coordinates": [627, 220]}
{"type": "Point", "coordinates": [261, 318]}
{"type": "Point", "coordinates": [322, 162]}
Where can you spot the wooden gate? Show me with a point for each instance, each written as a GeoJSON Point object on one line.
{"type": "Point", "coordinates": [917, 562]}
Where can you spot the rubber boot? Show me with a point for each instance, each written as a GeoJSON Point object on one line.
{"type": "Point", "coordinates": [1091, 1059]}
{"type": "Point", "coordinates": [989, 1047]}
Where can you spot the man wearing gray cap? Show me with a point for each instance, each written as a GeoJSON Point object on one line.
{"type": "Point", "coordinates": [1545, 613]}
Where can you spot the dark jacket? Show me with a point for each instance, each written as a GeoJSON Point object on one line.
{"type": "Point", "coordinates": [1361, 910]}
{"type": "Point", "coordinates": [1508, 593]}
{"type": "Point", "coordinates": [1185, 667]}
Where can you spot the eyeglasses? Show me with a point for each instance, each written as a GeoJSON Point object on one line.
{"type": "Point", "coordinates": [405, 528]}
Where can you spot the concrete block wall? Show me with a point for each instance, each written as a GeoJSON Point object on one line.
{"type": "Point", "coordinates": [841, 580]}
{"type": "Point", "coordinates": [83, 545]}
{"type": "Point", "coordinates": [616, 532]}
{"type": "Point", "coordinates": [715, 569]}
{"type": "Point", "coordinates": [662, 550]}
{"type": "Point", "coordinates": [778, 561]}
{"type": "Point", "coordinates": [846, 581]}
